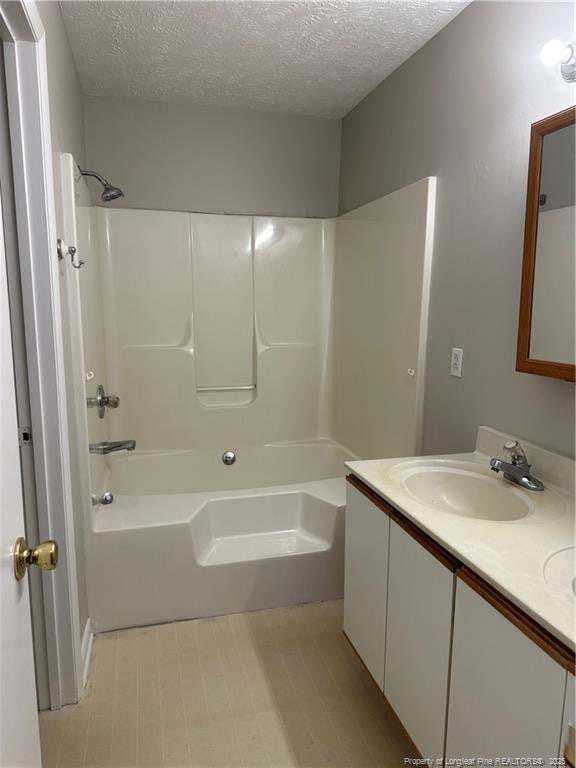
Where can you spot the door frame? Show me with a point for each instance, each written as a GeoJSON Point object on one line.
{"type": "Point", "coordinates": [24, 48]}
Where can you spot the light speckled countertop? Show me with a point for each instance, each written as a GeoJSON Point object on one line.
{"type": "Point", "coordinates": [511, 555]}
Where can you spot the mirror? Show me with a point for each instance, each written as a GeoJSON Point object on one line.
{"type": "Point", "coordinates": [546, 331]}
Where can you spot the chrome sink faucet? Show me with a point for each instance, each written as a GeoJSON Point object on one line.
{"type": "Point", "coordinates": [517, 470]}
{"type": "Point", "coordinates": [112, 447]}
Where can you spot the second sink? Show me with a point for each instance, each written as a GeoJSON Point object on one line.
{"type": "Point", "coordinates": [560, 571]}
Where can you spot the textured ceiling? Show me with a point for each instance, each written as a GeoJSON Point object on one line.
{"type": "Point", "coordinates": [301, 57]}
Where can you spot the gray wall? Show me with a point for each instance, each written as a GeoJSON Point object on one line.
{"type": "Point", "coordinates": [67, 128]}
{"type": "Point", "coordinates": [461, 109]}
{"type": "Point", "coordinates": [66, 101]}
{"type": "Point", "coordinates": [184, 158]}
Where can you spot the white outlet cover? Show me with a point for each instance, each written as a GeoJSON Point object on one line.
{"type": "Point", "coordinates": [456, 362]}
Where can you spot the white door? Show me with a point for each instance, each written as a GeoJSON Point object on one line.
{"type": "Point", "coordinates": [418, 630]}
{"type": "Point", "coordinates": [366, 580]}
{"type": "Point", "coordinates": [506, 694]}
{"type": "Point", "coordinates": [19, 735]}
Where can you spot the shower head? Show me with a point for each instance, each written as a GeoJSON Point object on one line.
{"type": "Point", "coordinates": [110, 191]}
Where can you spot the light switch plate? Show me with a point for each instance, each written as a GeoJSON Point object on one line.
{"type": "Point", "coordinates": [456, 362]}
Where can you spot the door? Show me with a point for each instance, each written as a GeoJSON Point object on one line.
{"type": "Point", "coordinates": [366, 580]}
{"type": "Point", "coordinates": [19, 733]}
{"type": "Point", "coordinates": [568, 738]}
{"type": "Point", "coordinates": [418, 636]}
{"type": "Point", "coordinates": [506, 693]}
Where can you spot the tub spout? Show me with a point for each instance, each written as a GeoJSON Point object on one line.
{"type": "Point", "coordinates": [112, 447]}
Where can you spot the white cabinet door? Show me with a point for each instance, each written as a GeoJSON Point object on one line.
{"type": "Point", "coordinates": [366, 577]}
{"type": "Point", "coordinates": [567, 741]}
{"type": "Point", "coordinates": [418, 630]}
{"type": "Point", "coordinates": [506, 693]}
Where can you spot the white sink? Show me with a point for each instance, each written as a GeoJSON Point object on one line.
{"type": "Point", "coordinates": [462, 488]}
{"type": "Point", "coordinates": [560, 571]}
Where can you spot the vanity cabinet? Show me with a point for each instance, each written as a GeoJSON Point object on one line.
{"type": "Point", "coordinates": [506, 693]}
{"type": "Point", "coordinates": [468, 673]}
{"type": "Point", "coordinates": [421, 584]}
{"type": "Point", "coordinates": [366, 580]}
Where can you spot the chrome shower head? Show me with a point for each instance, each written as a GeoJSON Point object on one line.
{"type": "Point", "coordinates": [110, 191]}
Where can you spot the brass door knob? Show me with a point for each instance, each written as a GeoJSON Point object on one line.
{"type": "Point", "coordinates": [45, 556]}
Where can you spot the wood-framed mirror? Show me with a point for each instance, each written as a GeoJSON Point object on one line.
{"type": "Point", "coordinates": [546, 327]}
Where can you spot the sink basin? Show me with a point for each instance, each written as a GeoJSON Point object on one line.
{"type": "Point", "coordinates": [462, 488]}
{"type": "Point", "coordinates": [560, 571]}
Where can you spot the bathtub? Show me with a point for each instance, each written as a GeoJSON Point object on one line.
{"type": "Point", "coordinates": [188, 537]}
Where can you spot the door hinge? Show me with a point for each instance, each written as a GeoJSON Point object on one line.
{"type": "Point", "coordinates": [25, 435]}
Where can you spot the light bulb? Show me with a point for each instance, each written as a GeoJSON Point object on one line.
{"type": "Point", "coordinates": [555, 52]}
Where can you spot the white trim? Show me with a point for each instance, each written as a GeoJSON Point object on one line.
{"type": "Point", "coordinates": [20, 21]}
{"type": "Point", "coordinates": [425, 309]}
{"type": "Point", "coordinates": [27, 91]}
{"type": "Point", "coordinates": [87, 640]}
{"type": "Point", "coordinates": [34, 26]}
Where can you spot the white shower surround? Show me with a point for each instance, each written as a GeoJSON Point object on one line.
{"type": "Point", "coordinates": [187, 536]}
{"type": "Point", "coordinates": [164, 311]}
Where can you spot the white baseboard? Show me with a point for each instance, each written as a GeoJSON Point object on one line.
{"type": "Point", "coordinates": [87, 639]}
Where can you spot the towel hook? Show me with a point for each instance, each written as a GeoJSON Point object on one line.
{"type": "Point", "coordinates": [69, 250]}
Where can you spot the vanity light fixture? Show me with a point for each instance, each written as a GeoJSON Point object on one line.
{"type": "Point", "coordinates": [556, 52]}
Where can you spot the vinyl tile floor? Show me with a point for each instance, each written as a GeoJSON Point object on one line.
{"type": "Point", "coordinates": [273, 689]}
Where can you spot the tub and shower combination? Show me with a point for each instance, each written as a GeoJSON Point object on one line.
{"type": "Point", "coordinates": [214, 332]}
{"type": "Point", "coordinates": [172, 547]}
{"type": "Point", "coordinates": [220, 335]}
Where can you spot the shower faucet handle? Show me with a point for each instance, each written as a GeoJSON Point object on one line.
{"type": "Point", "coordinates": [102, 401]}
